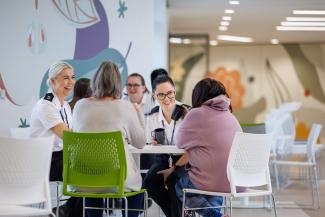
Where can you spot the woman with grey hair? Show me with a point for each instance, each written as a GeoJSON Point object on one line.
{"type": "Point", "coordinates": [52, 115]}
{"type": "Point", "coordinates": [105, 111]}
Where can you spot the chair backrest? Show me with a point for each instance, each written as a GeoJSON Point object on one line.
{"type": "Point", "coordinates": [284, 129]}
{"type": "Point", "coordinates": [18, 132]}
{"type": "Point", "coordinates": [24, 170]}
{"type": "Point", "coordinates": [311, 142]}
{"type": "Point", "coordinates": [94, 160]}
{"type": "Point", "coordinates": [248, 161]}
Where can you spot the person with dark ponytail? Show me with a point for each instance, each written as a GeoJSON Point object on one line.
{"type": "Point", "coordinates": [154, 74]}
{"type": "Point", "coordinates": [206, 134]}
{"type": "Point", "coordinates": [163, 173]}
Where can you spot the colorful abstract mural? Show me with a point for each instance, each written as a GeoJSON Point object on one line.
{"type": "Point", "coordinates": [92, 43]}
{"type": "Point", "coordinates": [259, 78]}
{"type": "Point", "coordinates": [84, 33]}
{"type": "Point", "coordinates": [233, 85]}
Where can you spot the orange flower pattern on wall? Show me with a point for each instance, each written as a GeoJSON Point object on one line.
{"type": "Point", "coordinates": [231, 80]}
{"type": "Point", "coordinates": [302, 131]}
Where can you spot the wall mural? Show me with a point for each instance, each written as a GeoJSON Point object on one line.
{"type": "Point", "coordinates": [36, 35]}
{"type": "Point", "coordinates": [275, 87]}
{"type": "Point", "coordinates": [91, 42]}
{"type": "Point", "coordinates": [182, 70]}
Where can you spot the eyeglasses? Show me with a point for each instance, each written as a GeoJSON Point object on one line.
{"type": "Point", "coordinates": [169, 94]}
{"type": "Point", "coordinates": [129, 86]}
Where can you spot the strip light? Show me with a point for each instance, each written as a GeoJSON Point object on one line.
{"type": "Point", "coordinates": [229, 11]}
{"type": "Point", "coordinates": [300, 28]}
{"type": "Point", "coordinates": [274, 41]}
{"type": "Point", "coordinates": [175, 40]}
{"type": "Point", "coordinates": [223, 28]}
{"type": "Point", "coordinates": [302, 19]}
{"type": "Point", "coordinates": [226, 18]}
{"type": "Point", "coordinates": [235, 38]}
{"type": "Point", "coordinates": [213, 43]}
{"type": "Point", "coordinates": [308, 12]}
{"type": "Point", "coordinates": [224, 23]}
{"type": "Point", "coordinates": [234, 2]}
{"type": "Point", "coordinates": [303, 23]}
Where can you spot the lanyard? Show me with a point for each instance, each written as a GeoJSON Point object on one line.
{"type": "Point", "coordinates": [171, 141]}
{"type": "Point", "coordinates": [66, 117]}
{"type": "Point", "coordinates": [170, 159]}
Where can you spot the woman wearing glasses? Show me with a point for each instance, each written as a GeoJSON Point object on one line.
{"type": "Point", "coordinates": [138, 93]}
{"type": "Point", "coordinates": [163, 172]}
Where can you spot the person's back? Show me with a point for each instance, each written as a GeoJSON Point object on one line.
{"type": "Point", "coordinates": [207, 133]}
{"type": "Point", "coordinates": [116, 115]}
{"type": "Point", "coordinates": [104, 112]}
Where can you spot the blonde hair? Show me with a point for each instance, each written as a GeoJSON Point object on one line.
{"type": "Point", "coordinates": [55, 69]}
{"type": "Point", "coordinates": [107, 81]}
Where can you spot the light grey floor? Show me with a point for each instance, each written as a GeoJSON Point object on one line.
{"type": "Point", "coordinates": [295, 193]}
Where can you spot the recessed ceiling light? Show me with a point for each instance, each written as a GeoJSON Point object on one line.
{"type": "Point", "coordinates": [234, 38]}
{"type": "Point", "coordinates": [274, 41]}
{"type": "Point", "coordinates": [315, 19]}
{"type": "Point", "coordinates": [229, 11]}
{"type": "Point", "coordinates": [308, 12]}
{"type": "Point", "coordinates": [174, 40]}
{"type": "Point", "coordinates": [213, 43]}
{"type": "Point", "coordinates": [303, 23]}
{"type": "Point", "coordinates": [234, 2]}
{"type": "Point", "coordinates": [223, 28]}
{"type": "Point", "coordinates": [187, 41]}
{"type": "Point", "coordinates": [300, 28]}
{"type": "Point", "coordinates": [226, 18]}
{"type": "Point", "coordinates": [224, 23]}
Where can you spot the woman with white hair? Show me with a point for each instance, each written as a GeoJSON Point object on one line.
{"type": "Point", "coordinates": [52, 115]}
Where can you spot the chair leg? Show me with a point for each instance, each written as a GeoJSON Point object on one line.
{"type": "Point", "coordinates": [276, 174]}
{"type": "Point", "coordinates": [107, 205]}
{"type": "Point", "coordinates": [224, 205]}
{"type": "Point", "coordinates": [145, 205]}
{"type": "Point", "coordinates": [57, 199]}
{"type": "Point", "coordinates": [183, 204]}
{"type": "Point", "coordinates": [274, 206]}
{"type": "Point", "coordinates": [230, 206]}
{"type": "Point", "coordinates": [316, 187]}
{"type": "Point", "coordinates": [83, 207]}
{"type": "Point", "coordinates": [126, 206]}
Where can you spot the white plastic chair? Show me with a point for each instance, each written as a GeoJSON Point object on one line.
{"type": "Point", "coordinates": [24, 176]}
{"type": "Point", "coordinates": [22, 133]}
{"type": "Point", "coordinates": [247, 167]}
{"type": "Point", "coordinates": [310, 163]}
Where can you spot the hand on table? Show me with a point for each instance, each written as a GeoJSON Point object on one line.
{"type": "Point", "coordinates": [154, 142]}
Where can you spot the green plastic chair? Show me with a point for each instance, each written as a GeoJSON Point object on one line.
{"type": "Point", "coordinates": [96, 161]}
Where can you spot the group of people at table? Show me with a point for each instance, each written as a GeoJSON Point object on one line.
{"type": "Point", "coordinates": [205, 132]}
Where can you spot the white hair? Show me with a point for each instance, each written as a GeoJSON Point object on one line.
{"type": "Point", "coordinates": [55, 69]}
